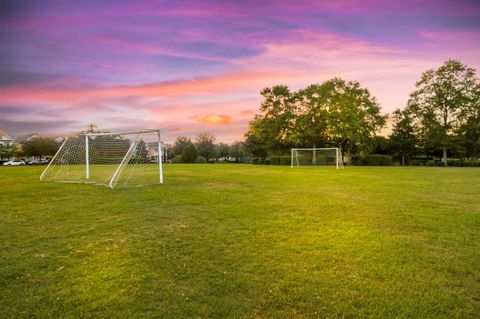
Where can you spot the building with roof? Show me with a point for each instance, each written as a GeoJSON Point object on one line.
{"type": "Point", "coordinates": [5, 139]}
{"type": "Point", "coordinates": [19, 139]}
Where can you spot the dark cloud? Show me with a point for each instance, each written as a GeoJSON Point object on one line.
{"type": "Point", "coordinates": [10, 78]}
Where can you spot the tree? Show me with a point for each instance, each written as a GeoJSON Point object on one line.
{"type": "Point", "coordinates": [179, 145]}
{"type": "Point", "coordinates": [353, 115]}
{"type": "Point", "coordinates": [40, 146]}
{"type": "Point", "coordinates": [379, 145]}
{"type": "Point", "coordinates": [440, 97]}
{"type": "Point", "coordinates": [223, 150]}
{"type": "Point", "coordinates": [237, 150]}
{"type": "Point", "coordinates": [205, 143]}
{"type": "Point", "coordinates": [141, 153]}
{"type": "Point", "coordinates": [6, 151]}
{"type": "Point", "coordinates": [254, 145]}
{"type": "Point", "coordinates": [403, 140]}
{"type": "Point", "coordinates": [311, 115]}
{"type": "Point", "coordinates": [469, 128]}
{"type": "Point", "coordinates": [189, 154]}
{"type": "Point", "coordinates": [274, 127]}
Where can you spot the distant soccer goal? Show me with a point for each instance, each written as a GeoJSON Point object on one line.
{"type": "Point", "coordinates": [110, 159]}
{"type": "Point", "coordinates": [317, 157]}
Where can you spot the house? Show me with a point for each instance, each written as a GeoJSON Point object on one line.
{"type": "Point", "coordinates": [152, 154]}
{"type": "Point", "coordinates": [25, 137]}
{"type": "Point", "coordinates": [5, 139]}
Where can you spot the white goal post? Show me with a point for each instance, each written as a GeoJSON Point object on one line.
{"type": "Point", "coordinates": [110, 159]}
{"type": "Point", "coordinates": [316, 157]}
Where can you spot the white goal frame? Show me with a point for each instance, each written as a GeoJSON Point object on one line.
{"type": "Point", "coordinates": [125, 160]}
{"type": "Point", "coordinates": [338, 155]}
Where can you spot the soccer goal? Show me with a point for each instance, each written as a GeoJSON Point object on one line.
{"type": "Point", "coordinates": [317, 157]}
{"type": "Point", "coordinates": [110, 159]}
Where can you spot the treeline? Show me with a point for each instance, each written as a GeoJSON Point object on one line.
{"type": "Point", "coordinates": [37, 146]}
{"type": "Point", "coordinates": [205, 149]}
{"type": "Point", "coordinates": [441, 119]}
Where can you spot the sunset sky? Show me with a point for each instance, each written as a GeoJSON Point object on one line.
{"type": "Point", "coordinates": [192, 66]}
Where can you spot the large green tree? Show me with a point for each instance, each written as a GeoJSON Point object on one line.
{"type": "Point", "coordinates": [274, 126]}
{"type": "Point", "coordinates": [440, 97]}
{"type": "Point", "coordinates": [354, 115]}
{"type": "Point", "coordinates": [311, 116]}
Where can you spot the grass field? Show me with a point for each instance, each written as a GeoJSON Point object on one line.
{"type": "Point", "coordinates": [244, 241]}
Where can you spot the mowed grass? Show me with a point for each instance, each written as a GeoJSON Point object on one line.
{"type": "Point", "coordinates": [244, 241]}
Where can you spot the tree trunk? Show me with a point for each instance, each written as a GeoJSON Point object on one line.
{"type": "Point", "coordinates": [445, 156]}
{"type": "Point", "coordinates": [403, 160]}
{"type": "Point", "coordinates": [314, 159]}
{"type": "Point", "coordinates": [349, 156]}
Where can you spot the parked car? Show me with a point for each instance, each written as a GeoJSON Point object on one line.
{"type": "Point", "coordinates": [14, 163]}
{"type": "Point", "coordinates": [38, 162]}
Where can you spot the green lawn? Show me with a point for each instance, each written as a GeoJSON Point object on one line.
{"type": "Point", "coordinates": [244, 241]}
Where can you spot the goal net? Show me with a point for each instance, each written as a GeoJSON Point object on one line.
{"type": "Point", "coordinates": [110, 159]}
{"type": "Point", "coordinates": [317, 157]}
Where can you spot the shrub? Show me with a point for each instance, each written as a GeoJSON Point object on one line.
{"type": "Point", "coordinates": [285, 160]}
{"type": "Point", "coordinates": [275, 160]}
{"type": "Point", "coordinates": [375, 160]}
{"type": "Point", "coordinates": [454, 162]}
{"type": "Point", "coordinates": [468, 163]}
{"type": "Point", "coordinates": [177, 159]}
{"type": "Point", "coordinates": [258, 160]}
{"type": "Point", "coordinates": [280, 160]}
{"type": "Point", "coordinates": [417, 162]}
{"type": "Point", "coordinates": [200, 160]}
{"type": "Point", "coordinates": [430, 163]}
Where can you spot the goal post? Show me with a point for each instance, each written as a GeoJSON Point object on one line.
{"type": "Point", "coordinates": [110, 159]}
{"type": "Point", "coordinates": [331, 156]}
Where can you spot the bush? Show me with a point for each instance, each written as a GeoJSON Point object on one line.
{"type": "Point", "coordinates": [430, 163]}
{"type": "Point", "coordinates": [189, 154]}
{"type": "Point", "coordinates": [200, 160]}
{"type": "Point", "coordinates": [177, 159]}
{"type": "Point", "coordinates": [258, 160]}
{"type": "Point", "coordinates": [375, 160]}
{"type": "Point", "coordinates": [454, 162]}
{"type": "Point", "coordinates": [468, 163]}
{"type": "Point", "coordinates": [280, 160]}
{"type": "Point", "coordinates": [417, 162]}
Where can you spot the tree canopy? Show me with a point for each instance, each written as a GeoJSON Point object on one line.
{"type": "Point", "coordinates": [334, 113]}
{"type": "Point", "coordinates": [440, 98]}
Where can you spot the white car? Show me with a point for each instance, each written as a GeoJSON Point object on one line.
{"type": "Point", "coordinates": [14, 163]}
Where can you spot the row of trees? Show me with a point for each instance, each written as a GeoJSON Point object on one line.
{"type": "Point", "coordinates": [334, 113]}
{"type": "Point", "coordinates": [442, 117]}
{"type": "Point", "coordinates": [39, 147]}
{"type": "Point", "coordinates": [204, 148]}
